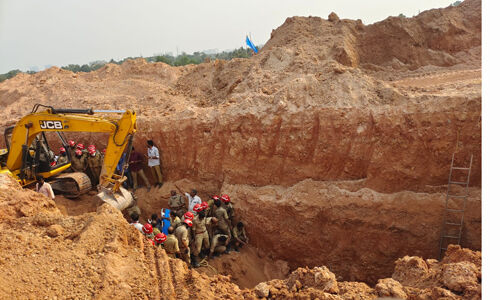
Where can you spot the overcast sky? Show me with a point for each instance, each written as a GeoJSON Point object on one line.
{"type": "Point", "coordinates": [37, 34]}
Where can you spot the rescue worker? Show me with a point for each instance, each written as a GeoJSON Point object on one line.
{"type": "Point", "coordinates": [156, 223]}
{"type": "Point", "coordinates": [136, 168]}
{"type": "Point", "coordinates": [177, 204]}
{"type": "Point", "coordinates": [79, 162]}
{"type": "Point", "coordinates": [211, 210]}
{"type": "Point", "coordinates": [72, 148]}
{"type": "Point", "coordinates": [228, 206]}
{"type": "Point", "coordinates": [221, 214]}
{"type": "Point", "coordinates": [135, 221]}
{"type": "Point", "coordinates": [239, 237]}
{"type": "Point", "coordinates": [183, 237]}
{"type": "Point", "coordinates": [171, 245]}
{"type": "Point", "coordinates": [159, 239]}
{"type": "Point", "coordinates": [81, 147]}
{"type": "Point", "coordinates": [201, 238]}
{"type": "Point", "coordinates": [219, 245]}
{"type": "Point", "coordinates": [63, 158]}
{"type": "Point", "coordinates": [147, 229]}
{"type": "Point", "coordinates": [94, 164]}
{"type": "Point", "coordinates": [175, 220]}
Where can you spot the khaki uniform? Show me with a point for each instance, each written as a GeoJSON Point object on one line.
{"type": "Point", "coordinates": [177, 205]}
{"type": "Point", "coordinates": [171, 245]}
{"type": "Point", "coordinates": [200, 234]}
{"type": "Point", "coordinates": [229, 209]}
{"type": "Point", "coordinates": [176, 222]}
{"type": "Point", "coordinates": [79, 164]}
{"type": "Point", "coordinates": [94, 163]}
{"type": "Point", "coordinates": [211, 208]}
{"type": "Point", "coordinates": [223, 224]}
{"type": "Point", "coordinates": [241, 234]}
{"type": "Point", "coordinates": [182, 235]}
{"type": "Point", "coordinates": [217, 246]}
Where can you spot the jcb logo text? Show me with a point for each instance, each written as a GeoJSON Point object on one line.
{"type": "Point", "coordinates": [51, 125]}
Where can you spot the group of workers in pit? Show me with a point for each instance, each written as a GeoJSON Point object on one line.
{"type": "Point", "coordinates": [88, 160]}
{"type": "Point", "coordinates": [194, 230]}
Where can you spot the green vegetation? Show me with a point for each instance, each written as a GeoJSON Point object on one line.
{"type": "Point", "coordinates": [456, 3]}
{"type": "Point", "coordinates": [179, 60]}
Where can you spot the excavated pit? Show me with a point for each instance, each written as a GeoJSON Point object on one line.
{"type": "Point", "coordinates": [334, 142]}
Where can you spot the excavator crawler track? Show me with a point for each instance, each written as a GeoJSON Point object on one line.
{"type": "Point", "coordinates": [71, 185]}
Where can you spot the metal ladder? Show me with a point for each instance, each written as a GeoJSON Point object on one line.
{"type": "Point", "coordinates": [451, 232]}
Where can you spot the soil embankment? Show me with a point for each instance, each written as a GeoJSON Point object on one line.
{"type": "Point", "coordinates": [334, 142]}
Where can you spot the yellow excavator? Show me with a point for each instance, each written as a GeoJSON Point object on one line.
{"type": "Point", "coordinates": [28, 154]}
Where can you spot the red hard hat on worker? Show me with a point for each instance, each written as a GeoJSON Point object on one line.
{"type": "Point", "coordinates": [147, 228]}
{"type": "Point", "coordinates": [188, 222]}
{"type": "Point", "coordinates": [160, 238]}
{"type": "Point", "coordinates": [62, 150]}
{"type": "Point", "coordinates": [204, 205]}
{"type": "Point", "coordinates": [80, 146]}
{"type": "Point", "coordinates": [197, 207]}
{"type": "Point", "coordinates": [78, 152]}
{"type": "Point", "coordinates": [225, 198]}
{"type": "Point", "coordinates": [188, 215]}
{"type": "Point", "coordinates": [91, 147]}
{"type": "Point", "coordinates": [92, 151]}
{"type": "Point", "coordinates": [215, 197]}
{"type": "Point", "coordinates": [72, 143]}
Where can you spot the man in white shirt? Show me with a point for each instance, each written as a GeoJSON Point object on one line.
{"type": "Point", "coordinates": [154, 162]}
{"type": "Point", "coordinates": [45, 188]}
{"type": "Point", "coordinates": [135, 221]}
{"type": "Point", "coordinates": [193, 199]}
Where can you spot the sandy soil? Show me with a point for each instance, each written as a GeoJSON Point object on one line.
{"type": "Point", "coordinates": [334, 141]}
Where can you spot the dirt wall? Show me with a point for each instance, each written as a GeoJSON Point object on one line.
{"type": "Point", "coordinates": [355, 231]}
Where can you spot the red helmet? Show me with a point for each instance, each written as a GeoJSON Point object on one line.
{"type": "Point", "coordinates": [80, 146]}
{"type": "Point", "coordinates": [62, 150]}
{"type": "Point", "coordinates": [147, 228]}
{"type": "Point", "coordinates": [52, 163]}
{"type": "Point", "coordinates": [198, 207]}
{"type": "Point", "coordinates": [104, 150]}
{"type": "Point", "coordinates": [188, 215]}
{"type": "Point", "coordinates": [91, 147]}
{"type": "Point", "coordinates": [160, 238]}
{"type": "Point", "coordinates": [72, 143]}
{"type": "Point", "coordinates": [204, 205]}
{"type": "Point", "coordinates": [78, 152]}
{"type": "Point", "coordinates": [188, 222]}
{"type": "Point", "coordinates": [225, 198]}
{"type": "Point", "coordinates": [215, 197]}
{"type": "Point", "coordinates": [92, 151]}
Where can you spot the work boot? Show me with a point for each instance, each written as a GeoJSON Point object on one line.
{"type": "Point", "coordinates": [196, 262]}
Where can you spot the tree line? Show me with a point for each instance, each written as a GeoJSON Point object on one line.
{"type": "Point", "coordinates": [179, 60]}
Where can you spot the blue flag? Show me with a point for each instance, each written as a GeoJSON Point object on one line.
{"type": "Point", "coordinates": [251, 45]}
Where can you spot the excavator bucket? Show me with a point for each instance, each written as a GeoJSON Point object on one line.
{"type": "Point", "coordinates": [120, 200]}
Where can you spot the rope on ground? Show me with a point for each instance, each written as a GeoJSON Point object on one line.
{"type": "Point", "coordinates": [204, 263]}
